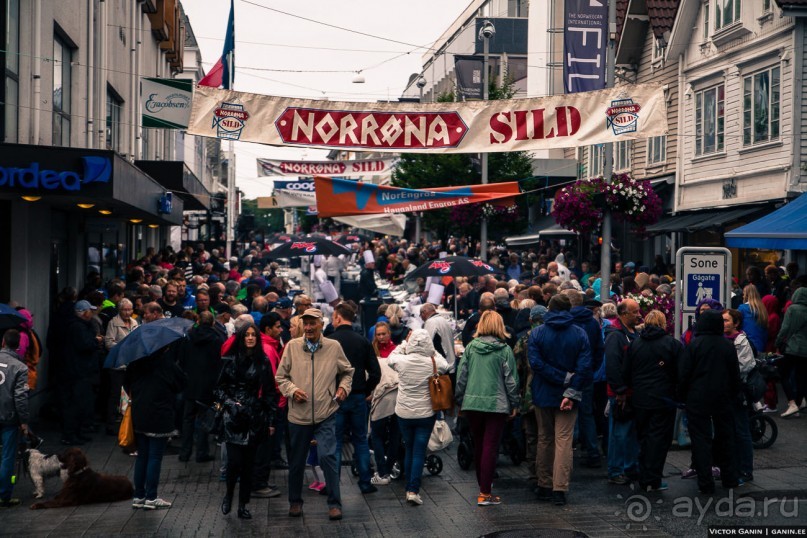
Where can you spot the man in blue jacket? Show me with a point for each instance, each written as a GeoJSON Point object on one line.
{"type": "Point", "coordinates": [584, 318]}
{"type": "Point", "coordinates": [560, 358]}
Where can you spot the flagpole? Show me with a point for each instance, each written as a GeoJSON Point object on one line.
{"type": "Point", "coordinates": [230, 237]}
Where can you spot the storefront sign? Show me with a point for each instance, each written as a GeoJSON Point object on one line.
{"type": "Point", "coordinates": [294, 193]}
{"type": "Point", "coordinates": [467, 127]}
{"type": "Point", "coordinates": [337, 197]}
{"type": "Point", "coordinates": [166, 103]}
{"type": "Point", "coordinates": [35, 176]}
{"type": "Point", "coordinates": [365, 168]}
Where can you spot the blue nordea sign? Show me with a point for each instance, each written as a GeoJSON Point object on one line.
{"type": "Point", "coordinates": [35, 177]}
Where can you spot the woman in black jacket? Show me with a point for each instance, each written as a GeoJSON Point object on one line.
{"type": "Point", "coordinates": [246, 393]}
{"type": "Point", "coordinates": [153, 383]}
{"type": "Point", "coordinates": [709, 383]}
{"type": "Point", "coordinates": [650, 370]}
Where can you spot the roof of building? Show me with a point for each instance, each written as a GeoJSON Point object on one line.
{"type": "Point", "coordinates": [662, 16]}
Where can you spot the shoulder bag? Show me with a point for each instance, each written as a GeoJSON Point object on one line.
{"type": "Point", "coordinates": [440, 390]}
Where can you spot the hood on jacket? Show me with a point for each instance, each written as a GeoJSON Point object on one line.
{"type": "Point", "coordinates": [28, 324]}
{"type": "Point", "coordinates": [488, 344]}
{"type": "Point", "coordinates": [709, 322]}
{"type": "Point", "coordinates": [581, 314]}
{"type": "Point", "coordinates": [717, 306]}
{"type": "Point", "coordinates": [560, 321]}
{"type": "Point", "coordinates": [800, 297]}
{"type": "Point", "coordinates": [651, 332]}
{"type": "Point", "coordinates": [614, 325]}
{"type": "Point", "coordinates": [203, 335]}
{"type": "Point", "coordinates": [420, 343]}
{"type": "Point", "coordinates": [771, 304]}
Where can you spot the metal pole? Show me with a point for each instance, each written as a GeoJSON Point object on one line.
{"type": "Point", "coordinates": [483, 231]}
{"type": "Point", "coordinates": [230, 236]}
{"type": "Point", "coordinates": [605, 250]}
{"type": "Point", "coordinates": [420, 84]}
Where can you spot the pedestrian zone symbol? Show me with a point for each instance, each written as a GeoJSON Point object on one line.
{"type": "Point", "coordinates": [702, 287]}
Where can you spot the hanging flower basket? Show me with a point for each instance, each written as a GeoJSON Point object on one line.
{"type": "Point", "coordinates": [469, 215]}
{"type": "Point", "coordinates": [579, 207]}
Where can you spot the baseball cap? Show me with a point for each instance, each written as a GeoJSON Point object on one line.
{"type": "Point", "coordinates": [83, 306]}
{"type": "Point", "coordinates": [538, 312]}
{"type": "Point", "coordinates": [285, 302]}
{"type": "Point", "coordinates": [312, 313]}
{"type": "Point", "coordinates": [592, 303]}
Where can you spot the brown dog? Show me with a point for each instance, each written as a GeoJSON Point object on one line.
{"type": "Point", "coordinates": [85, 486]}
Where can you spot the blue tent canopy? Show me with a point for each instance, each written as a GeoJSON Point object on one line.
{"type": "Point", "coordinates": [784, 229]}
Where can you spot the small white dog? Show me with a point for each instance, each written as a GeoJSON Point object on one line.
{"type": "Point", "coordinates": [41, 466]}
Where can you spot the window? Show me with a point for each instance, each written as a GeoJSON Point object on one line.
{"type": "Point", "coordinates": [706, 20]}
{"type": "Point", "coordinates": [709, 120]}
{"type": "Point", "coordinates": [622, 155]}
{"type": "Point", "coordinates": [61, 92]}
{"type": "Point", "coordinates": [12, 69]}
{"type": "Point", "coordinates": [727, 12]}
{"type": "Point", "coordinates": [658, 49]}
{"type": "Point", "coordinates": [596, 160]}
{"type": "Point", "coordinates": [657, 149]}
{"type": "Point", "coordinates": [766, 5]}
{"type": "Point", "coordinates": [113, 107]}
{"type": "Point", "coordinates": [761, 106]}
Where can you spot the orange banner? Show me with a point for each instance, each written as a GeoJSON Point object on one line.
{"type": "Point", "coordinates": [339, 197]}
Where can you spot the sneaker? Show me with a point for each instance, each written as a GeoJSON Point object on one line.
{"type": "Point", "coordinates": [767, 409]}
{"type": "Point", "coordinates": [316, 486]}
{"type": "Point", "coordinates": [543, 494]}
{"type": "Point", "coordinates": [266, 493]}
{"type": "Point", "coordinates": [559, 498]}
{"type": "Point", "coordinates": [689, 473]}
{"type": "Point", "coordinates": [791, 411]}
{"type": "Point", "coordinates": [368, 489]}
{"type": "Point", "coordinates": [746, 477]}
{"type": "Point", "coordinates": [295, 510]}
{"type": "Point", "coordinates": [662, 487]}
{"type": "Point", "coordinates": [138, 503]}
{"type": "Point", "coordinates": [619, 480]}
{"type": "Point", "coordinates": [9, 503]}
{"type": "Point", "coordinates": [156, 503]}
{"type": "Point", "coordinates": [716, 473]}
{"type": "Point", "coordinates": [380, 480]}
{"type": "Point", "coordinates": [335, 513]}
{"type": "Point", "coordinates": [487, 499]}
{"type": "Point", "coordinates": [413, 498]}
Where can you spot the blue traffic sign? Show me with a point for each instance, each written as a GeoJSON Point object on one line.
{"type": "Point", "coordinates": [703, 286]}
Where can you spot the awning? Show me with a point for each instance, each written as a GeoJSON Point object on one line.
{"type": "Point", "coordinates": [785, 228]}
{"type": "Point", "coordinates": [178, 178]}
{"type": "Point", "coordinates": [547, 229]}
{"type": "Point", "coordinates": [700, 220]}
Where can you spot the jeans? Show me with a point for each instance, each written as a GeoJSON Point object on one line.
{"type": "Point", "coordinates": [386, 439]}
{"type": "Point", "coordinates": [486, 431]}
{"type": "Point", "coordinates": [715, 427]}
{"type": "Point", "coordinates": [742, 440]}
{"type": "Point", "coordinates": [654, 428]}
{"type": "Point", "coordinates": [192, 433]}
{"type": "Point", "coordinates": [9, 435]}
{"type": "Point", "coordinates": [353, 415]}
{"type": "Point", "coordinates": [530, 424]}
{"type": "Point", "coordinates": [555, 454]}
{"type": "Point", "coordinates": [325, 435]}
{"type": "Point", "coordinates": [147, 465]}
{"type": "Point", "coordinates": [280, 438]}
{"type": "Point", "coordinates": [415, 433]}
{"type": "Point", "coordinates": [240, 460]}
{"type": "Point", "coordinates": [588, 426]}
{"type": "Point", "coordinates": [623, 445]}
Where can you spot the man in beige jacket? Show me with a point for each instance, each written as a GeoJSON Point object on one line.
{"type": "Point", "coordinates": [316, 377]}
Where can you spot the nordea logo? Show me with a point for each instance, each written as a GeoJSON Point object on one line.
{"type": "Point", "coordinates": [96, 170]}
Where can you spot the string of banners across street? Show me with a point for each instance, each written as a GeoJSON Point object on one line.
{"type": "Point", "coordinates": [352, 168]}
{"type": "Point", "coordinates": [611, 115]}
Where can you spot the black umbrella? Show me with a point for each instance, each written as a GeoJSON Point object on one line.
{"type": "Point", "coordinates": [348, 239]}
{"type": "Point", "coordinates": [308, 246]}
{"type": "Point", "coordinates": [147, 339]}
{"type": "Point", "coordinates": [10, 318]}
{"type": "Point", "coordinates": [454, 266]}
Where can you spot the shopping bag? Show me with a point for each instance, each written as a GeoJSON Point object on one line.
{"type": "Point", "coordinates": [126, 434]}
{"type": "Point", "coordinates": [441, 436]}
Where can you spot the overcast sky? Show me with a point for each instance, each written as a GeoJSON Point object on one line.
{"type": "Point", "coordinates": [276, 45]}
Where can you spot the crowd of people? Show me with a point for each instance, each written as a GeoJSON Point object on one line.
{"type": "Point", "coordinates": [543, 347]}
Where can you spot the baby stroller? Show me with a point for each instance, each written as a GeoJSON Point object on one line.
{"type": "Point", "coordinates": [513, 444]}
{"type": "Point", "coordinates": [764, 429]}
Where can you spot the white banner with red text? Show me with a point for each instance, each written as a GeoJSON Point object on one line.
{"type": "Point", "coordinates": [364, 168]}
{"type": "Point", "coordinates": [610, 115]}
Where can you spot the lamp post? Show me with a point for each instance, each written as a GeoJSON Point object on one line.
{"type": "Point", "coordinates": [605, 249]}
{"type": "Point", "coordinates": [421, 83]}
{"type": "Point", "coordinates": [486, 32]}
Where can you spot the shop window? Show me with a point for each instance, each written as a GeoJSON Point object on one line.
{"type": "Point", "coordinates": [62, 56]}
{"type": "Point", "coordinates": [657, 149]}
{"type": "Point", "coordinates": [622, 157]}
{"type": "Point", "coordinates": [114, 104]}
{"type": "Point", "coordinates": [11, 58]}
{"type": "Point", "coordinates": [709, 120]}
{"type": "Point", "coordinates": [596, 160]}
{"type": "Point", "coordinates": [761, 93]}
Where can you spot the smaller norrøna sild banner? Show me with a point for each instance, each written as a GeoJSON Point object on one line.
{"type": "Point", "coordinates": [621, 113]}
{"type": "Point", "coordinates": [364, 168]}
{"type": "Point", "coordinates": [338, 197]}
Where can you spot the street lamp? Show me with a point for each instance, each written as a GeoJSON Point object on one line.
{"type": "Point", "coordinates": [486, 32]}
{"type": "Point", "coordinates": [420, 83]}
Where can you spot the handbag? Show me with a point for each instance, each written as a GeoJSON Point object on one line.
{"type": "Point", "coordinates": [441, 436]}
{"type": "Point", "coordinates": [754, 385]}
{"type": "Point", "coordinates": [440, 390]}
{"type": "Point", "coordinates": [211, 419]}
{"type": "Point", "coordinates": [126, 434]}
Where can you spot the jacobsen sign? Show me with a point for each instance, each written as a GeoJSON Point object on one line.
{"type": "Point", "coordinates": [704, 273]}
{"type": "Point", "coordinates": [622, 113]}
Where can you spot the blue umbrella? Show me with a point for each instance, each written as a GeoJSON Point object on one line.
{"type": "Point", "coordinates": [10, 318]}
{"type": "Point", "coordinates": [146, 340]}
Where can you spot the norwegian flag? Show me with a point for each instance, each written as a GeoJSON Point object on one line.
{"type": "Point", "coordinates": [222, 74]}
